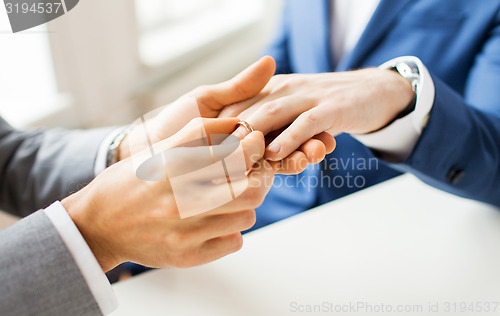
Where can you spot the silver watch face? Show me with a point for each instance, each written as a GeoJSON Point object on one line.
{"type": "Point", "coordinates": [410, 73]}
{"type": "Point", "coordinates": [404, 69]}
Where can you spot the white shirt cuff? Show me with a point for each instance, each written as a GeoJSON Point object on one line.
{"type": "Point", "coordinates": [397, 141]}
{"type": "Point", "coordinates": [101, 160]}
{"type": "Point", "coordinates": [89, 267]}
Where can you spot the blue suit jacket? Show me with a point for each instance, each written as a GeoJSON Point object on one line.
{"type": "Point", "coordinates": [459, 150]}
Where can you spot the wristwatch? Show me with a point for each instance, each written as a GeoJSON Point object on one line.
{"type": "Point", "coordinates": [409, 71]}
{"type": "Point", "coordinates": [111, 155]}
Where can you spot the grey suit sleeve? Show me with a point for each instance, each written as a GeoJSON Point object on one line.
{"type": "Point", "coordinates": [38, 276]}
{"type": "Point", "coordinates": [40, 167]}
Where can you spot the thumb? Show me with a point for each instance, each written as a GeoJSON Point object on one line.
{"type": "Point", "coordinates": [243, 86]}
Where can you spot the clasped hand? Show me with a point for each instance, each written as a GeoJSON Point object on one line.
{"type": "Point", "coordinates": [294, 110]}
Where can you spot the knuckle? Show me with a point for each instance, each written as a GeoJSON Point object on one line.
{"type": "Point", "coordinates": [231, 111]}
{"type": "Point", "coordinates": [249, 219]}
{"type": "Point", "coordinates": [260, 181]}
{"type": "Point", "coordinates": [271, 108]}
{"type": "Point", "coordinates": [310, 118]}
{"type": "Point", "coordinates": [236, 242]}
{"type": "Point", "coordinates": [251, 197]}
{"type": "Point", "coordinates": [196, 122]}
{"type": "Point", "coordinates": [277, 78]}
{"type": "Point", "coordinates": [258, 194]}
{"type": "Point", "coordinates": [201, 90]}
{"type": "Point", "coordinates": [194, 129]}
{"type": "Point", "coordinates": [175, 240]}
{"type": "Point", "coordinates": [160, 213]}
{"type": "Point", "coordinates": [285, 85]}
{"type": "Point", "coordinates": [280, 83]}
{"type": "Point", "coordinates": [300, 80]}
{"type": "Point", "coordinates": [168, 206]}
{"type": "Point", "coordinates": [239, 89]}
{"type": "Point", "coordinates": [293, 136]}
{"type": "Point", "coordinates": [250, 158]}
{"type": "Point", "coordinates": [183, 262]}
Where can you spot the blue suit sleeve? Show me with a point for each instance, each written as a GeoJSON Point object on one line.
{"type": "Point", "coordinates": [459, 151]}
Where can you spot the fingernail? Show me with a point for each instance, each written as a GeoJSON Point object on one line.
{"type": "Point", "coordinates": [275, 147]}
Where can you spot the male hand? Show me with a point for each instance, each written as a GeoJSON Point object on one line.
{"type": "Point", "coordinates": [209, 101]}
{"type": "Point", "coordinates": [123, 218]}
{"type": "Point", "coordinates": [302, 107]}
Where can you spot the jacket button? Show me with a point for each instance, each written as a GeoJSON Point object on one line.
{"type": "Point", "coordinates": [455, 175]}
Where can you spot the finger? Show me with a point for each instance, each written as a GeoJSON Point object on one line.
{"type": "Point", "coordinates": [314, 150]}
{"type": "Point", "coordinates": [306, 126]}
{"type": "Point", "coordinates": [197, 187]}
{"type": "Point", "coordinates": [242, 131]}
{"type": "Point", "coordinates": [276, 114]}
{"type": "Point", "coordinates": [219, 247]}
{"type": "Point", "coordinates": [253, 148]}
{"type": "Point", "coordinates": [251, 151]}
{"type": "Point", "coordinates": [237, 161]}
{"type": "Point", "coordinates": [256, 186]}
{"type": "Point", "coordinates": [272, 135]}
{"type": "Point", "coordinates": [236, 109]}
{"type": "Point", "coordinates": [219, 125]}
{"type": "Point", "coordinates": [201, 228]}
{"type": "Point", "coordinates": [197, 133]}
{"type": "Point", "coordinates": [185, 160]}
{"type": "Point", "coordinates": [260, 179]}
{"type": "Point", "coordinates": [189, 149]}
{"type": "Point", "coordinates": [293, 164]}
{"type": "Point", "coordinates": [328, 140]}
{"type": "Point", "coordinates": [243, 86]}
{"type": "Point", "coordinates": [276, 165]}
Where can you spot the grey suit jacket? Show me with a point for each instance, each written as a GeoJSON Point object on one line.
{"type": "Point", "coordinates": [38, 275]}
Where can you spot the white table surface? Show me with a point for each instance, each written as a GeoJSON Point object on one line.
{"type": "Point", "coordinates": [400, 244]}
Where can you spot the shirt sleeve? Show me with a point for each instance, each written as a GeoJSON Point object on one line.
{"type": "Point", "coordinates": [92, 273]}
{"type": "Point", "coordinates": [397, 141]}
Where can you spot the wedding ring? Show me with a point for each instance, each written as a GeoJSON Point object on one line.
{"type": "Point", "coordinates": [245, 125]}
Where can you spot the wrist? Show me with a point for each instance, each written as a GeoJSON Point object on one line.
{"type": "Point", "coordinates": [404, 96]}
{"type": "Point", "coordinates": [118, 151]}
{"type": "Point", "coordinates": [80, 210]}
{"type": "Point", "coordinates": [402, 90]}
{"type": "Point", "coordinates": [409, 69]}
{"type": "Point", "coordinates": [123, 150]}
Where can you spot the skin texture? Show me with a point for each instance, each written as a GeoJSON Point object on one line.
{"type": "Point", "coordinates": [300, 107]}
{"type": "Point", "coordinates": [123, 218]}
